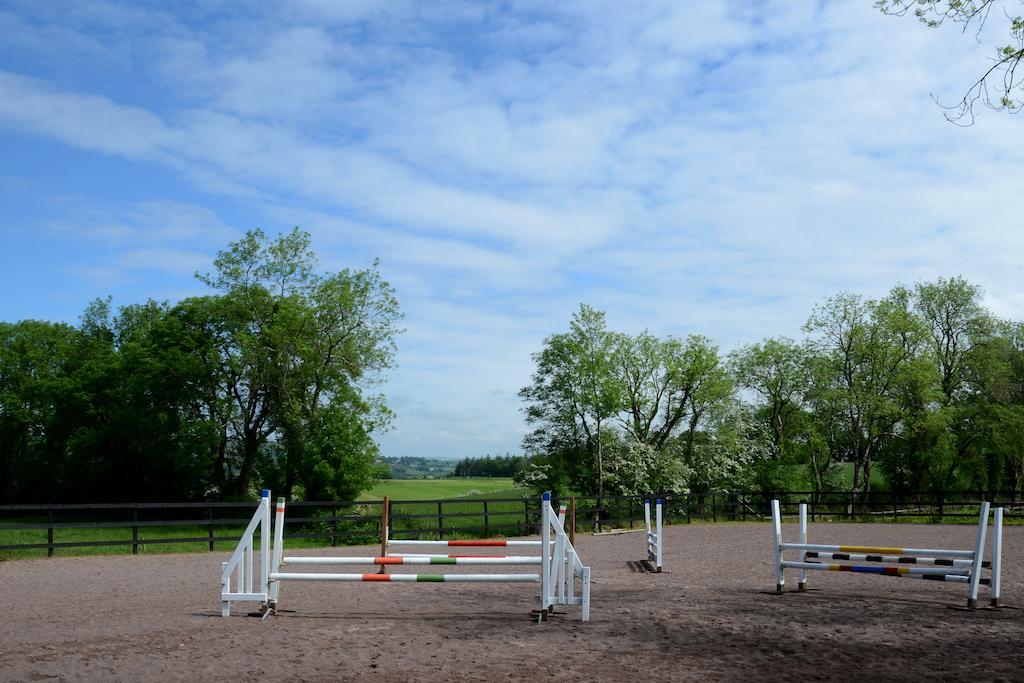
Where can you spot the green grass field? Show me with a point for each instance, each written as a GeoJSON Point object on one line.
{"type": "Point", "coordinates": [461, 514]}
{"type": "Point", "coordinates": [438, 489]}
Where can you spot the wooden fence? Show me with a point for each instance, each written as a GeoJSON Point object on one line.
{"type": "Point", "coordinates": [129, 527]}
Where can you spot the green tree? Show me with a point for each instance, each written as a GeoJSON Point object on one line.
{"type": "Point", "coordinates": [668, 386]}
{"type": "Point", "coordinates": [729, 450]}
{"type": "Point", "coordinates": [998, 444]}
{"type": "Point", "coordinates": [864, 353]}
{"type": "Point", "coordinates": [299, 352]}
{"type": "Point", "coordinates": [574, 392]}
{"type": "Point", "coordinates": [958, 331]}
{"type": "Point", "coordinates": [637, 469]}
{"type": "Point", "coordinates": [778, 373]}
{"type": "Point", "coordinates": [38, 408]}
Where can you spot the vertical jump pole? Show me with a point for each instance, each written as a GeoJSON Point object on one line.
{"type": "Point", "coordinates": [585, 616]}
{"type": "Point", "coordinates": [572, 521]}
{"type": "Point", "coordinates": [225, 587]}
{"type": "Point", "coordinates": [780, 580]}
{"type": "Point", "coordinates": [265, 543]}
{"type": "Point", "coordinates": [979, 551]}
{"type": "Point", "coordinates": [802, 583]}
{"type": "Point", "coordinates": [658, 505]}
{"type": "Point", "coordinates": [385, 521]}
{"type": "Point", "coordinates": [250, 567]}
{"type": "Point", "coordinates": [558, 567]}
{"type": "Point", "coordinates": [997, 555]}
{"type": "Point", "coordinates": [275, 564]}
{"type": "Point", "coordinates": [545, 554]}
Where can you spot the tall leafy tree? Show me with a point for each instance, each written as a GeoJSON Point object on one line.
{"type": "Point", "coordinates": [573, 395]}
{"type": "Point", "coordinates": [958, 326]}
{"type": "Point", "coordinates": [1006, 394]}
{"type": "Point", "coordinates": [777, 372]}
{"type": "Point", "coordinates": [301, 351]}
{"type": "Point", "coordinates": [865, 352]}
{"type": "Point", "coordinates": [668, 386]}
{"type": "Point", "coordinates": [959, 332]}
{"type": "Point", "coordinates": [39, 402]}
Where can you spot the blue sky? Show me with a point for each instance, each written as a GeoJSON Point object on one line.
{"type": "Point", "coordinates": [716, 169]}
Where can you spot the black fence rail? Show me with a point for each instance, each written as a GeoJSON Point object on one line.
{"type": "Point", "coordinates": [142, 527]}
{"type": "Point", "coordinates": [42, 527]}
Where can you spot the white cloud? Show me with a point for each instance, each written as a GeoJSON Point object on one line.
{"type": "Point", "coordinates": [688, 168]}
{"type": "Point", "coordinates": [87, 121]}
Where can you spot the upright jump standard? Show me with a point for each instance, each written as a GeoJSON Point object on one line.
{"type": "Point", "coordinates": [558, 562]}
{"type": "Point", "coordinates": [958, 566]}
{"type": "Point", "coordinates": [654, 538]}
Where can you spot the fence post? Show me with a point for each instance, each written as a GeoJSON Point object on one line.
{"type": "Point", "coordinates": [49, 533]}
{"type": "Point", "coordinates": [487, 522]}
{"type": "Point", "coordinates": [689, 514]}
{"type": "Point", "coordinates": [743, 506]}
{"type": "Point", "coordinates": [385, 531]}
{"type": "Point", "coordinates": [334, 526]}
{"type": "Point", "coordinates": [714, 507]}
{"type": "Point", "coordinates": [526, 517]}
{"type": "Point", "coordinates": [209, 526]}
{"type": "Point", "coordinates": [895, 508]}
{"type": "Point", "coordinates": [600, 510]}
{"type": "Point", "coordinates": [440, 521]}
{"type": "Point", "coordinates": [135, 532]}
{"type": "Point", "coordinates": [630, 513]}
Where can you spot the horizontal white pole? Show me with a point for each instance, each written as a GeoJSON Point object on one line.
{"type": "Point", "coordinates": [411, 560]}
{"type": "Point", "coordinates": [409, 578]}
{"type": "Point", "coordinates": [401, 554]}
{"type": "Point", "coordinates": [262, 597]}
{"type": "Point", "coordinates": [469, 544]}
{"type": "Point", "coordinates": [956, 578]}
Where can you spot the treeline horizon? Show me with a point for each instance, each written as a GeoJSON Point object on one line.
{"type": "Point", "coordinates": [268, 380]}
{"type": "Point", "coordinates": [490, 466]}
{"type": "Point", "coordinates": [924, 383]}
{"type": "Point", "coordinates": [265, 381]}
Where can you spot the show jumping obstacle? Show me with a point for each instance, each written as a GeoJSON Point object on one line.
{"type": "Point", "coordinates": [958, 566]}
{"type": "Point", "coordinates": [387, 542]}
{"type": "Point", "coordinates": [558, 563]}
{"type": "Point", "coordinates": [654, 538]}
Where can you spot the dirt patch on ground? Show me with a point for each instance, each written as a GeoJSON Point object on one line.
{"type": "Point", "coordinates": [710, 615]}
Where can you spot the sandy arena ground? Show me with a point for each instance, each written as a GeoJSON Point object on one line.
{"type": "Point", "coordinates": [710, 615]}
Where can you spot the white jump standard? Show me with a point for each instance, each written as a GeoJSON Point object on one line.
{"type": "Point", "coordinates": [654, 538]}
{"type": "Point", "coordinates": [559, 565]}
{"type": "Point", "coordinates": [939, 564]}
{"type": "Point", "coordinates": [241, 562]}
